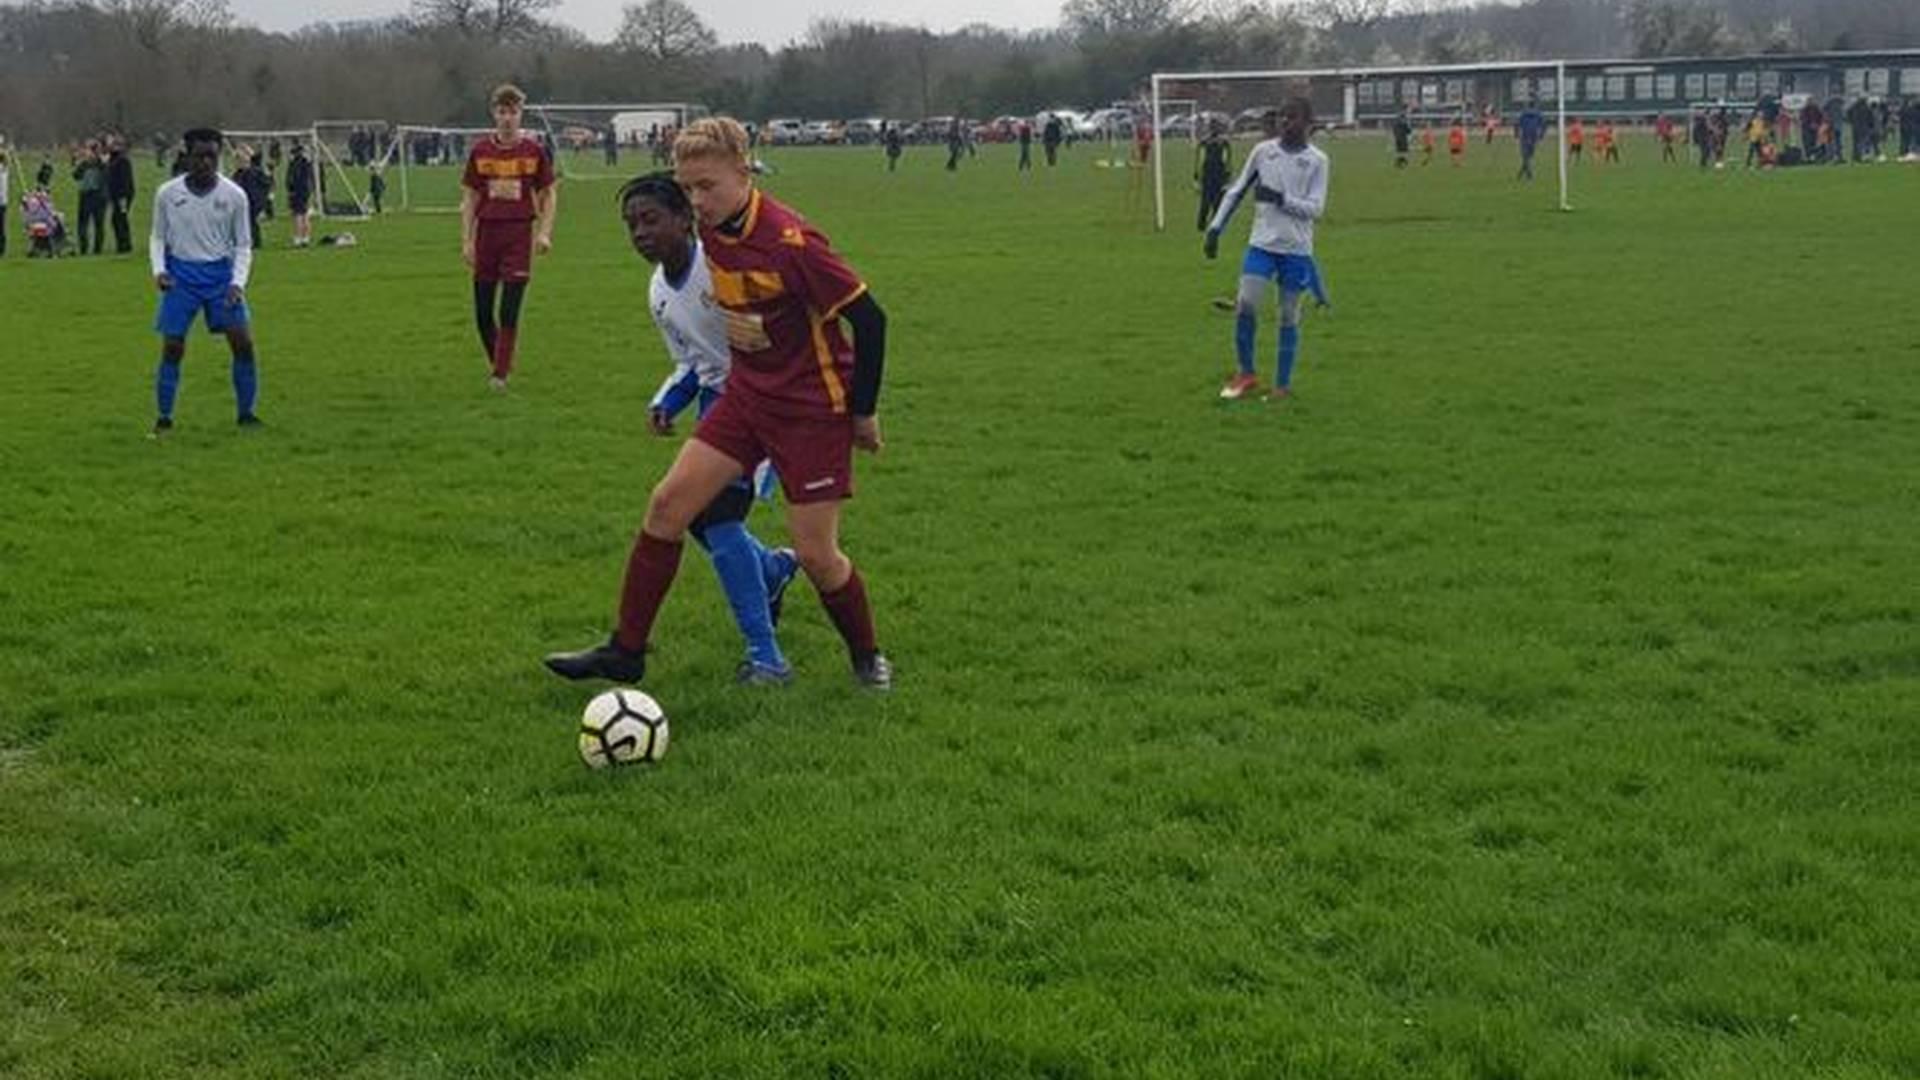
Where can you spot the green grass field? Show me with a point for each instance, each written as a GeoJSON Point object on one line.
{"type": "Point", "coordinates": [1534, 696]}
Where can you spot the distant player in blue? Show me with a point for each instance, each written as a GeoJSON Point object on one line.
{"type": "Point", "coordinates": [1287, 177]}
{"type": "Point", "coordinates": [755, 578]}
{"type": "Point", "coordinates": [202, 254]}
{"type": "Point", "coordinates": [1531, 128]}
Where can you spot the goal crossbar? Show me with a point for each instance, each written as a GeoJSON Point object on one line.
{"type": "Point", "coordinates": [1162, 78]}
{"type": "Point", "coordinates": [399, 150]}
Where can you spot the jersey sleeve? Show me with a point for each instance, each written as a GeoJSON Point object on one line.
{"type": "Point", "coordinates": [543, 173]}
{"type": "Point", "coordinates": [471, 177]}
{"type": "Point", "coordinates": [156, 237]}
{"type": "Point", "coordinates": [241, 233]}
{"type": "Point", "coordinates": [1230, 201]}
{"type": "Point", "coordinates": [817, 274]}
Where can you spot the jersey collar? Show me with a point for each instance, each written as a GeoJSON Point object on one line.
{"type": "Point", "coordinates": [748, 221]}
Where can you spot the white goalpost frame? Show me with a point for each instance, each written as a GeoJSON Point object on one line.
{"type": "Point", "coordinates": [683, 112]}
{"type": "Point", "coordinates": [397, 149]}
{"type": "Point", "coordinates": [322, 156]}
{"type": "Point", "coordinates": [1559, 68]}
{"type": "Point", "coordinates": [1190, 106]}
{"type": "Point", "coordinates": [380, 129]}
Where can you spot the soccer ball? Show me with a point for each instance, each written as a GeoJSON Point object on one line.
{"type": "Point", "coordinates": [622, 727]}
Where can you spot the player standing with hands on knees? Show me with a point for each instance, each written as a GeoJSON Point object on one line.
{"type": "Point", "coordinates": [202, 254]}
{"type": "Point", "coordinates": [1287, 177]}
{"type": "Point", "coordinates": [798, 394]}
{"type": "Point", "coordinates": [507, 209]}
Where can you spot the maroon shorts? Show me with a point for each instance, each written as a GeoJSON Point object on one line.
{"type": "Point", "coordinates": [814, 456]}
{"type": "Point", "coordinates": [503, 251]}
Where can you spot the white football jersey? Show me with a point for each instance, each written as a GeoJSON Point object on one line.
{"type": "Point", "coordinates": [691, 324]}
{"type": "Point", "coordinates": [1301, 175]}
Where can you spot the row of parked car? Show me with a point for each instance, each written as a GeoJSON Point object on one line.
{"type": "Point", "coordinates": [1112, 122]}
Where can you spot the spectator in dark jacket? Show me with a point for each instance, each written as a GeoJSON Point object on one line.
{"type": "Point", "coordinates": [90, 176]}
{"type": "Point", "coordinates": [120, 189]}
{"type": "Point", "coordinates": [257, 184]}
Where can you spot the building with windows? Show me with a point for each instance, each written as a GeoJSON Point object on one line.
{"type": "Point", "coordinates": [1641, 88]}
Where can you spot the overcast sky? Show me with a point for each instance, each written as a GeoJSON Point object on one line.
{"type": "Point", "coordinates": [771, 22]}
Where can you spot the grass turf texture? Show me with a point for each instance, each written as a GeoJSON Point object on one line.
{"type": "Point", "coordinates": [1532, 697]}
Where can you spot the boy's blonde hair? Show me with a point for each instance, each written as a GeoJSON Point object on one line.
{"type": "Point", "coordinates": [712, 137]}
{"type": "Point", "coordinates": [508, 94]}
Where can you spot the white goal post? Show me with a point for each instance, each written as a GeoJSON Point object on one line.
{"type": "Point", "coordinates": [325, 165]}
{"type": "Point", "coordinates": [1349, 79]}
{"type": "Point", "coordinates": [416, 146]}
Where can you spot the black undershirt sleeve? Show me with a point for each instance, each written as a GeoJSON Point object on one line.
{"type": "Point", "coordinates": [869, 325]}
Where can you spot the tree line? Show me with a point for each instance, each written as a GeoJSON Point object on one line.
{"type": "Point", "coordinates": [73, 67]}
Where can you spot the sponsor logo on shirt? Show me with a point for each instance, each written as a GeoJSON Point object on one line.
{"type": "Point", "coordinates": [747, 332]}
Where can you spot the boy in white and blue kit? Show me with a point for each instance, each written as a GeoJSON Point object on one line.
{"type": "Point", "coordinates": [1288, 179]}
{"type": "Point", "coordinates": [202, 255]}
{"type": "Point", "coordinates": [680, 297]}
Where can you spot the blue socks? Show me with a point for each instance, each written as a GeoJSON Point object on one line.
{"type": "Point", "coordinates": [246, 382]}
{"type": "Point", "coordinates": [1289, 351]}
{"type": "Point", "coordinates": [740, 562]}
{"type": "Point", "coordinates": [166, 386]}
{"type": "Point", "coordinates": [1244, 326]}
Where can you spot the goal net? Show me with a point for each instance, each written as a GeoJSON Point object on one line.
{"type": "Point", "coordinates": [336, 193]}
{"type": "Point", "coordinates": [610, 141]}
{"type": "Point", "coordinates": [429, 161]}
{"type": "Point", "coordinates": [1367, 111]}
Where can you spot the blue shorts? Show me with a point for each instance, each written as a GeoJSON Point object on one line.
{"type": "Point", "coordinates": [1295, 273]}
{"type": "Point", "coordinates": [180, 305]}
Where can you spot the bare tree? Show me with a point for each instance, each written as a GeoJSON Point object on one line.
{"type": "Point", "coordinates": [665, 30]}
{"type": "Point", "coordinates": [149, 21]}
{"type": "Point", "coordinates": [1677, 28]}
{"type": "Point", "coordinates": [498, 19]}
{"type": "Point", "coordinates": [461, 15]}
{"type": "Point", "coordinates": [1085, 18]}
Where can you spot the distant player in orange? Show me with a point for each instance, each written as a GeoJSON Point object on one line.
{"type": "Point", "coordinates": [1668, 134]}
{"type": "Point", "coordinates": [1576, 139]}
{"type": "Point", "coordinates": [1608, 142]}
{"type": "Point", "coordinates": [1142, 156]}
{"type": "Point", "coordinates": [1426, 145]}
{"type": "Point", "coordinates": [1457, 141]}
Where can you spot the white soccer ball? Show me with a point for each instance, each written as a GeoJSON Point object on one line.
{"type": "Point", "coordinates": [622, 727]}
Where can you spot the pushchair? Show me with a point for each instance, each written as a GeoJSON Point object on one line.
{"type": "Point", "coordinates": [46, 227]}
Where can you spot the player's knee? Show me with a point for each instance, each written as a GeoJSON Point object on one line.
{"type": "Point", "coordinates": [822, 561]}
{"type": "Point", "coordinates": [670, 510]}
{"type": "Point", "coordinates": [172, 349]}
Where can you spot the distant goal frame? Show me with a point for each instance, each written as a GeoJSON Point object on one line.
{"type": "Point", "coordinates": [1160, 79]}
